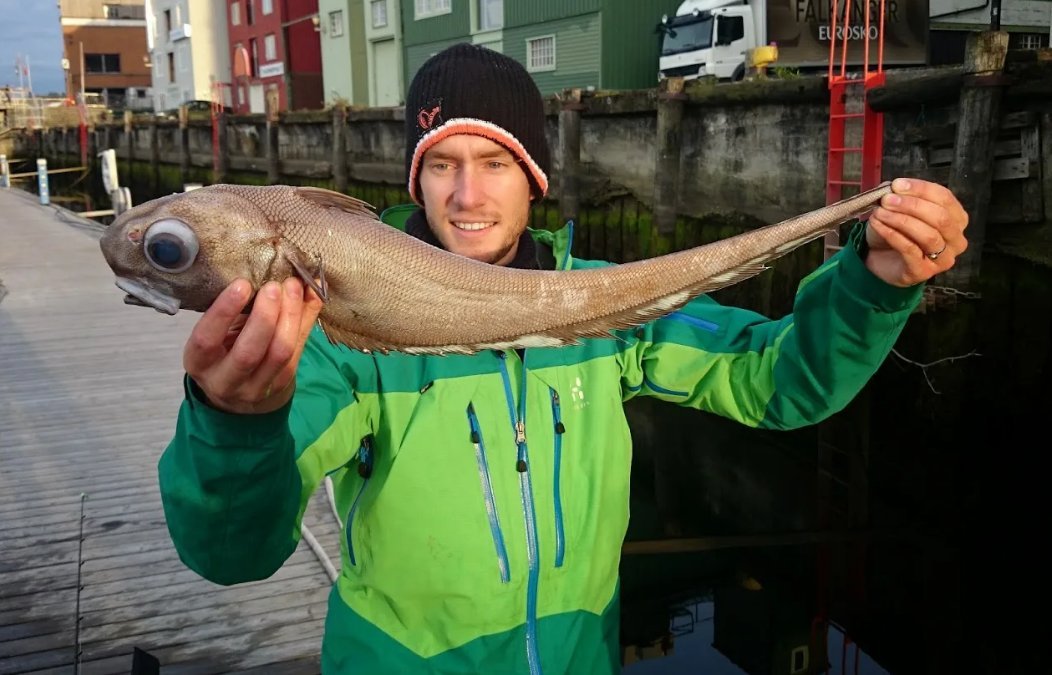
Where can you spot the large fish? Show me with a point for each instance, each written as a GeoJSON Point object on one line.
{"type": "Point", "coordinates": [387, 291]}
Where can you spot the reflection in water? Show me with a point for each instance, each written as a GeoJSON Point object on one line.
{"type": "Point", "coordinates": [884, 597]}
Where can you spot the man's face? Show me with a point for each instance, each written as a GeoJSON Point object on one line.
{"type": "Point", "coordinates": [476, 197]}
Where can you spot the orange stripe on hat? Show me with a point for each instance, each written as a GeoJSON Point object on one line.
{"type": "Point", "coordinates": [467, 125]}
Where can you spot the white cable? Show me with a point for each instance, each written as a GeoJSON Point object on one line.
{"type": "Point", "coordinates": [332, 501]}
{"type": "Point", "coordinates": [319, 552]}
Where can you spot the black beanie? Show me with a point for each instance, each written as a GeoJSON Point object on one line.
{"type": "Point", "coordinates": [467, 89]}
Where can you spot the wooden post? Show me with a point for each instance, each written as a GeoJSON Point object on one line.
{"type": "Point", "coordinates": [222, 155]}
{"type": "Point", "coordinates": [977, 126]}
{"type": "Point", "coordinates": [273, 148]}
{"type": "Point", "coordinates": [570, 155]}
{"type": "Point", "coordinates": [669, 135]}
{"type": "Point", "coordinates": [184, 144]}
{"type": "Point", "coordinates": [129, 142]}
{"type": "Point", "coordinates": [339, 147]}
{"type": "Point", "coordinates": [155, 158]}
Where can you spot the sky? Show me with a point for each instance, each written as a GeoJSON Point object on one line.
{"type": "Point", "coordinates": [31, 28]}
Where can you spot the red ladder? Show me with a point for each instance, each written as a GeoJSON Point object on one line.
{"type": "Point", "coordinates": [848, 109]}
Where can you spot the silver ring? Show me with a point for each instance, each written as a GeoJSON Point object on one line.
{"type": "Point", "coordinates": [933, 256]}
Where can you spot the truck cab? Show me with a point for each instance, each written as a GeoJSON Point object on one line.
{"type": "Point", "coordinates": [709, 38]}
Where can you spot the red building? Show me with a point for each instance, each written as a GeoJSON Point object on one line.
{"type": "Point", "coordinates": [275, 51]}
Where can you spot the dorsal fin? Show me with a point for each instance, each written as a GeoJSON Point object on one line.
{"type": "Point", "coordinates": [336, 200]}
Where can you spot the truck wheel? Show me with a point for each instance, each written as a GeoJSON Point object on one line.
{"type": "Point", "coordinates": [739, 73]}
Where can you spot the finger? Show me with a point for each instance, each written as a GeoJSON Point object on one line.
{"type": "Point", "coordinates": [926, 238]}
{"type": "Point", "coordinates": [917, 265]}
{"type": "Point", "coordinates": [252, 344]}
{"type": "Point", "coordinates": [935, 193]}
{"type": "Point", "coordinates": [205, 346]}
{"type": "Point", "coordinates": [285, 343]}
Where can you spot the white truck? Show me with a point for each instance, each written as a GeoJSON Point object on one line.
{"type": "Point", "coordinates": [713, 38]}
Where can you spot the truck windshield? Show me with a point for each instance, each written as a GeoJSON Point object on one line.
{"type": "Point", "coordinates": [687, 34]}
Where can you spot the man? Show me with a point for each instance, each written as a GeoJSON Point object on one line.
{"type": "Point", "coordinates": [485, 497]}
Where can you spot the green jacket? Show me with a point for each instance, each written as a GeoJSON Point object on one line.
{"type": "Point", "coordinates": [485, 498]}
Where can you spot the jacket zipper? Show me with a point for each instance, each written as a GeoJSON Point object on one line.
{"type": "Point", "coordinates": [560, 535]}
{"type": "Point", "coordinates": [522, 465]}
{"type": "Point", "coordinates": [365, 470]}
{"type": "Point", "coordinates": [487, 492]}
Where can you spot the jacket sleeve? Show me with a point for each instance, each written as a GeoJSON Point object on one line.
{"type": "Point", "coordinates": [779, 374]}
{"type": "Point", "coordinates": [234, 487]}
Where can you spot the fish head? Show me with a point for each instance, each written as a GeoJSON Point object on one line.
{"type": "Point", "coordinates": [182, 250]}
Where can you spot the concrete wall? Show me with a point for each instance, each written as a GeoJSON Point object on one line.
{"type": "Point", "coordinates": [763, 160]}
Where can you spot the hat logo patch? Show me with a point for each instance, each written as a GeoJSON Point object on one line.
{"type": "Point", "coordinates": [427, 115]}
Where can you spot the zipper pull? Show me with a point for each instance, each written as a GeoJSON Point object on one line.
{"type": "Point", "coordinates": [520, 432]}
{"type": "Point", "coordinates": [365, 457]}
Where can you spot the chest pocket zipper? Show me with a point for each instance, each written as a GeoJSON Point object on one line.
{"type": "Point", "coordinates": [560, 533]}
{"type": "Point", "coordinates": [365, 470]}
{"type": "Point", "coordinates": [487, 495]}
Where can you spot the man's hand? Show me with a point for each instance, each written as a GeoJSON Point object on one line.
{"type": "Point", "coordinates": [248, 365]}
{"type": "Point", "coordinates": [915, 233]}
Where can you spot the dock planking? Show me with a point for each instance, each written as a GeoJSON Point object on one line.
{"type": "Point", "coordinates": [89, 388]}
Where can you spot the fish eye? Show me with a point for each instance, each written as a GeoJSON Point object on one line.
{"type": "Point", "coordinates": [170, 245]}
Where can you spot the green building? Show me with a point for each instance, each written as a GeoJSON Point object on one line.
{"type": "Point", "coordinates": [605, 44]}
{"type": "Point", "coordinates": [361, 51]}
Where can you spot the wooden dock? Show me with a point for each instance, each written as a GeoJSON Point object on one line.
{"type": "Point", "coordinates": [89, 389]}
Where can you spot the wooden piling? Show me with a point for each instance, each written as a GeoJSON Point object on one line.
{"type": "Point", "coordinates": [155, 158]}
{"type": "Point", "coordinates": [977, 126]}
{"type": "Point", "coordinates": [273, 153]}
{"type": "Point", "coordinates": [339, 147]}
{"type": "Point", "coordinates": [570, 155]}
{"type": "Point", "coordinates": [184, 144]}
{"type": "Point", "coordinates": [129, 142]}
{"type": "Point", "coordinates": [221, 163]}
{"type": "Point", "coordinates": [669, 142]}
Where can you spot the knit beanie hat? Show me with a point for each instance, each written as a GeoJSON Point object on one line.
{"type": "Point", "coordinates": [468, 89]}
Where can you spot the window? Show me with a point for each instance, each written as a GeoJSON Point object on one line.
{"type": "Point", "coordinates": [336, 23]}
{"type": "Point", "coordinates": [379, 9]}
{"type": "Point", "coordinates": [171, 67]}
{"type": "Point", "coordinates": [491, 14]}
{"type": "Point", "coordinates": [270, 47]}
{"type": "Point", "coordinates": [115, 11]}
{"type": "Point", "coordinates": [167, 22]}
{"type": "Point", "coordinates": [251, 15]}
{"type": "Point", "coordinates": [268, 6]}
{"type": "Point", "coordinates": [540, 53]}
{"type": "Point", "coordinates": [1026, 40]}
{"type": "Point", "coordinates": [102, 63]}
{"type": "Point", "coordinates": [427, 8]}
{"type": "Point", "coordinates": [253, 50]}
{"type": "Point", "coordinates": [729, 29]}
{"type": "Point", "coordinates": [235, 13]}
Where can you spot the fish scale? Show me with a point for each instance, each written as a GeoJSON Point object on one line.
{"type": "Point", "coordinates": [388, 291]}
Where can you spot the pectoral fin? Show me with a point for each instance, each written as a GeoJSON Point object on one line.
{"type": "Point", "coordinates": [315, 279]}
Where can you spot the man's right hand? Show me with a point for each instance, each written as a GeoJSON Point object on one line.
{"type": "Point", "coordinates": [248, 364]}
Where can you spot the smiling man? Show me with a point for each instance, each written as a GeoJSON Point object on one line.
{"type": "Point", "coordinates": [484, 498]}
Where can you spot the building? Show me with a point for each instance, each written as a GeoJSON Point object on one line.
{"type": "Point", "coordinates": [1027, 22]}
{"type": "Point", "coordinates": [275, 48]}
{"type": "Point", "coordinates": [105, 52]}
{"type": "Point", "coordinates": [188, 51]}
{"type": "Point", "coordinates": [361, 44]}
{"type": "Point", "coordinates": [563, 43]}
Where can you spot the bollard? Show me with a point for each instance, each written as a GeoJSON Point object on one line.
{"type": "Point", "coordinates": [42, 182]}
{"type": "Point", "coordinates": [5, 180]}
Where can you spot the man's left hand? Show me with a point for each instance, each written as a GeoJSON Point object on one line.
{"type": "Point", "coordinates": [915, 233]}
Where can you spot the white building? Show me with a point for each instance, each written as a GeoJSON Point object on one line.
{"type": "Point", "coordinates": [189, 51]}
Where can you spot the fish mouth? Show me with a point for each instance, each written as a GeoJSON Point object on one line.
{"type": "Point", "coordinates": [143, 296]}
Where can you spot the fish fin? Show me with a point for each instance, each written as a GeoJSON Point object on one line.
{"type": "Point", "coordinates": [633, 317]}
{"type": "Point", "coordinates": [338, 335]}
{"type": "Point", "coordinates": [337, 200]}
{"type": "Point", "coordinates": [319, 286]}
